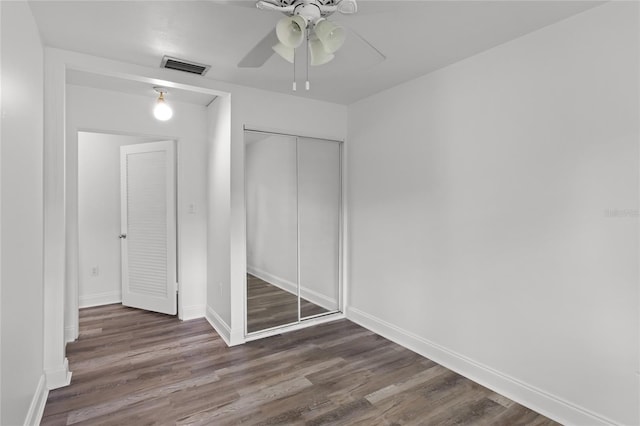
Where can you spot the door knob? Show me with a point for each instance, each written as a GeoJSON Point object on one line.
{"type": "Point", "coordinates": [122, 236]}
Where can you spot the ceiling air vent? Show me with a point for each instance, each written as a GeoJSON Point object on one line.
{"type": "Point", "coordinates": [182, 65]}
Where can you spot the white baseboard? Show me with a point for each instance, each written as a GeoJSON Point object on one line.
{"type": "Point", "coordinates": [99, 299]}
{"type": "Point", "coordinates": [70, 334]}
{"type": "Point", "coordinates": [193, 312]}
{"type": "Point", "coordinates": [237, 336]}
{"type": "Point", "coordinates": [58, 377]}
{"type": "Point", "coordinates": [218, 324]}
{"type": "Point", "coordinates": [319, 299]}
{"type": "Point", "coordinates": [279, 282]}
{"type": "Point", "coordinates": [39, 400]}
{"type": "Point", "coordinates": [536, 399]}
{"type": "Point", "coordinates": [307, 294]}
{"type": "Point", "coordinates": [257, 335]}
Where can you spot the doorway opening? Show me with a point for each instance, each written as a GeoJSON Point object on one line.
{"type": "Point", "coordinates": [124, 106]}
{"type": "Point", "coordinates": [127, 227]}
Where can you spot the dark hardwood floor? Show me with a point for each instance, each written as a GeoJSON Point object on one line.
{"type": "Point", "coordinates": [132, 367]}
{"type": "Point", "coordinates": [269, 306]}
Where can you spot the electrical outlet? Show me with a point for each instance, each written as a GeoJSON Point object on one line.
{"type": "Point", "coordinates": [192, 208]}
{"type": "Point", "coordinates": [95, 271]}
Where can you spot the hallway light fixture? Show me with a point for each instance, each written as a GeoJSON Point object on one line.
{"type": "Point", "coordinates": [162, 111]}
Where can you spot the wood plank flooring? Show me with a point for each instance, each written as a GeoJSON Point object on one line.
{"type": "Point", "coordinates": [133, 367]}
{"type": "Point", "coordinates": [269, 306]}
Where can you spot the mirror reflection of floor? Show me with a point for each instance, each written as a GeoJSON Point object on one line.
{"type": "Point", "coordinates": [270, 306]}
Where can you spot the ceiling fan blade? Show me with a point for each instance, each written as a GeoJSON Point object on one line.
{"type": "Point", "coordinates": [241, 3]}
{"type": "Point", "coordinates": [260, 53]}
{"type": "Point", "coordinates": [271, 5]}
{"type": "Point", "coordinates": [371, 47]}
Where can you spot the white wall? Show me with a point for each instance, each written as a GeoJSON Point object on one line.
{"type": "Point", "coordinates": [101, 110]}
{"type": "Point", "coordinates": [481, 231]}
{"type": "Point", "coordinates": [23, 390]}
{"type": "Point", "coordinates": [218, 219]}
{"type": "Point", "coordinates": [99, 277]}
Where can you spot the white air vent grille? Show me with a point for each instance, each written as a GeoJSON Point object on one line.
{"type": "Point", "coordinates": [185, 66]}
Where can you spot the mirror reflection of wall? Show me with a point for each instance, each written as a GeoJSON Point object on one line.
{"type": "Point", "coordinates": [293, 207]}
{"type": "Point", "coordinates": [272, 231]}
{"type": "Point", "coordinates": [319, 201]}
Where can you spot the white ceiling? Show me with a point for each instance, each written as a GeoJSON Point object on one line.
{"type": "Point", "coordinates": [416, 37]}
{"type": "Point", "coordinates": [132, 87]}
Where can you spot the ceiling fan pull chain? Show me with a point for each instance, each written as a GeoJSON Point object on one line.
{"type": "Point", "coordinates": [307, 61]}
{"type": "Point", "coordinates": [294, 71]}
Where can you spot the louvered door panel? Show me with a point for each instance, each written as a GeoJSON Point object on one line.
{"type": "Point", "coordinates": [148, 220]}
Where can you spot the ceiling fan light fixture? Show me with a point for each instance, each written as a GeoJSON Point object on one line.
{"type": "Point", "coordinates": [347, 7]}
{"type": "Point", "coordinates": [330, 35]}
{"type": "Point", "coordinates": [319, 56]}
{"type": "Point", "coordinates": [286, 52]}
{"type": "Point", "coordinates": [290, 30]}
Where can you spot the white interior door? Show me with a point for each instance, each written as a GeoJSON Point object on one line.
{"type": "Point", "coordinates": [148, 226]}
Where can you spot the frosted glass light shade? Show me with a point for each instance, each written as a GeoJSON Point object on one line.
{"type": "Point", "coordinates": [290, 30]}
{"type": "Point", "coordinates": [287, 53]}
{"type": "Point", "coordinates": [319, 56]}
{"type": "Point", "coordinates": [330, 35]}
{"type": "Point", "coordinates": [162, 111]}
{"type": "Point", "coordinates": [347, 7]}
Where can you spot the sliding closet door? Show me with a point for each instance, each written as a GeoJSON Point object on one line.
{"type": "Point", "coordinates": [319, 216]}
{"type": "Point", "coordinates": [294, 219]}
{"type": "Point", "coordinates": [272, 230]}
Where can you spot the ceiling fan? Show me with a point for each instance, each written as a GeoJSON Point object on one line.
{"type": "Point", "coordinates": [305, 20]}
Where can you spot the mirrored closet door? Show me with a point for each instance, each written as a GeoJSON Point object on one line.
{"type": "Point", "coordinates": [294, 219]}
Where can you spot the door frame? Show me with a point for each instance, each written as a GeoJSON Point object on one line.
{"type": "Point", "coordinates": [72, 333]}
